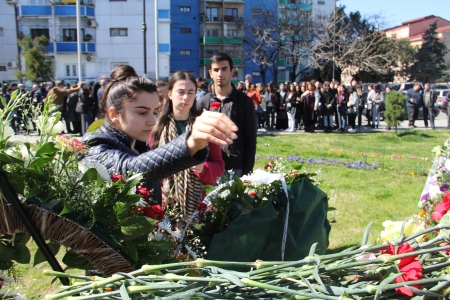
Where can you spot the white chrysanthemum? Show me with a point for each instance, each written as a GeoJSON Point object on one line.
{"type": "Point", "coordinates": [26, 155]}
{"type": "Point", "coordinates": [50, 125]}
{"type": "Point", "coordinates": [224, 194]}
{"type": "Point", "coordinates": [155, 236]}
{"type": "Point", "coordinates": [447, 164]}
{"type": "Point", "coordinates": [86, 164]}
{"type": "Point", "coordinates": [434, 191]}
{"type": "Point", "coordinates": [167, 226]}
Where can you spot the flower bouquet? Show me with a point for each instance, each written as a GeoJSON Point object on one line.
{"type": "Point", "coordinates": [110, 224]}
{"type": "Point", "coordinates": [276, 214]}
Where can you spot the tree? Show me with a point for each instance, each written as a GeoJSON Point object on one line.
{"type": "Point", "coordinates": [37, 67]}
{"type": "Point", "coordinates": [403, 58]}
{"type": "Point", "coordinates": [359, 45]}
{"type": "Point", "coordinates": [395, 109]}
{"type": "Point", "coordinates": [429, 65]}
{"type": "Point", "coordinates": [261, 43]}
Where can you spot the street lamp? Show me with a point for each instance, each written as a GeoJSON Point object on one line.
{"type": "Point", "coordinates": [144, 31]}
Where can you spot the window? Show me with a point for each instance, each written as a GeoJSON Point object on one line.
{"type": "Point", "coordinates": [232, 33]}
{"type": "Point", "coordinates": [231, 15]}
{"type": "Point", "coordinates": [185, 30]}
{"type": "Point", "coordinates": [212, 32]}
{"type": "Point", "coordinates": [116, 64]}
{"type": "Point", "coordinates": [185, 52]}
{"type": "Point", "coordinates": [71, 70]}
{"type": "Point", "coordinates": [118, 31]}
{"type": "Point", "coordinates": [36, 32]}
{"type": "Point", "coordinates": [291, 1]}
{"type": "Point", "coordinates": [1, 31]}
{"type": "Point", "coordinates": [256, 11]}
{"type": "Point", "coordinates": [185, 9]}
{"type": "Point", "coordinates": [69, 34]}
{"type": "Point", "coordinates": [3, 68]}
{"type": "Point", "coordinates": [321, 2]}
{"type": "Point", "coordinates": [212, 14]}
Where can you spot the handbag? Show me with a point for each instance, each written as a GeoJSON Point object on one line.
{"type": "Point", "coordinates": [79, 107]}
{"type": "Point", "coordinates": [382, 106]}
{"type": "Point", "coordinates": [351, 111]}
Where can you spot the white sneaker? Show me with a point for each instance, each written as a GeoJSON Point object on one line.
{"type": "Point", "coordinates": [262, 130]}
{"type": "Point", "coordinates": [286, 130]}
{"type": "Point", "coordinates": [352, 130]}
{"type": "Point", "coordinates": [291, 130]}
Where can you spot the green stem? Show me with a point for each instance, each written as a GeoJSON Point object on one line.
{"type": "Point", "coordinates": [153, 287]}
{"type": "Point", "coordinates": [174, 277]}
{"type": "Point", "coordinates": [252, 283]}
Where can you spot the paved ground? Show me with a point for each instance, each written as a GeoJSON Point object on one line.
{"type": "Point", "coordinates": [440, 123]}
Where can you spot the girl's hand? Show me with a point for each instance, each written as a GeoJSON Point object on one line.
{"type": "Point", "coordinates": [211, 127]}
{"type": "Point", "coordinates": [197, 169]}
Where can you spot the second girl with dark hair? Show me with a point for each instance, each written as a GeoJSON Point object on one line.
{"type": "Point", "coordinates": [179, 113]}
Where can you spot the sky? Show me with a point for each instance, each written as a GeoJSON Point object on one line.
{"type": "Point", "coordinates": [398, 11]}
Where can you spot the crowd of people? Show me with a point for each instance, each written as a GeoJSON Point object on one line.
{"type": "Point", "coordinates": [184, 133]}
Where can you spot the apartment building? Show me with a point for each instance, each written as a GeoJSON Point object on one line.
{"type": "Point", "coordinates": [110, 34]}
{"type": "Point", "coordinates": [303, 10]}
{"type": "Point", "coordinates": [221, 30]}
{"type": "Point", "coordinates": [8, 41]}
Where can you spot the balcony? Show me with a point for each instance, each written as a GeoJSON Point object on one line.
{"type": "Point", "coordinates": [226, 1]}
{"type": "Point", "coordinates": [206, 61]}
{"type": "Point", "coordinates": [60, 11]}
{"type": "Point", "coordinates": [219, 40]}
{"type": "Point", "coordinates": [71, 47]}
{"type": "Point", "coordinates": [219, 19]}
{"type": "Point", "coordinates": [301, 6]}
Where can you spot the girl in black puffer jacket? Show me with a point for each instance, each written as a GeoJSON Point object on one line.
{"type": "Point", "coordinates": [130, 107]}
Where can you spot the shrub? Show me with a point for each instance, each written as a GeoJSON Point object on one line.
{"type": "Point", "coordinates": [395, 106]}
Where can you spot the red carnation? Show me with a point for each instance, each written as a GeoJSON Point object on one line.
{"type": "Point", "coordinates": [442, 208]}
{"type": "Point", "coordinates": [252, 194]}
{"type": "Point", "coordinates": [409, 266]}
{"type": "Point", "coordinates": [156, 212]}
{"type": "Point", "coordinates": [144, 193]}
{"type": "Point", "coordinates": [215, 106]}
{"type": "Point", "coordinates": [117, 177]}
{"type": "Point", "coordinates": [201, 206]}
{"type": "Point", "coordinates": [269, 165]}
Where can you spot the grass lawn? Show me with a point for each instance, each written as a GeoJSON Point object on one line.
{"type": "Point", "coordinates": [360, 196]}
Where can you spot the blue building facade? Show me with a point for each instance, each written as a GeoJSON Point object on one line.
{"type": "Point", "coordinates": [253, 11]}
{"type": "Point", "coordinates": [185, 36]}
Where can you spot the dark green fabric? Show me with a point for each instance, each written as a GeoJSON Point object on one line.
{"type": "Point", "coordinates": [181, 126]}
{"type": "Point", "coordinates": [258, 235]}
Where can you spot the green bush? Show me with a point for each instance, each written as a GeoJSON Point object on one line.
{"type": "Point", "coordinates": [395, 106]}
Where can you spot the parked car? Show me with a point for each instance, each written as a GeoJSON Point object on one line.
{"type": "Point", "coordinates": [440, 86]}
{"type": "Point", "coordinates": [442, 99]}
{"type": "Point", "coordinates": [420, 114]}
{"type": "Point", "coordinates": [405, 86]}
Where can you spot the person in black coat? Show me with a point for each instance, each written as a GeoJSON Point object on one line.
{"type": "Point", "coordinates": [328, 101]}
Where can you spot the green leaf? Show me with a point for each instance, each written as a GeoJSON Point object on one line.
{"type": "Point", "coordinates": [240, 188]}
{"type": "Point", "coordinates": [90, 175]}
{"type": "Point", "coordinates": [246, 207]}
{"type": "Point", "coordinates": [122, 210]}
{"type": "Point", "coordinates": [39, 256]}
{"type": "Point", "coordinates": [131, 250]}
{"type": "Point", "coordinates": [133, 198]}
{"type": "Point", "coordinates": [208, 188]}
{"type": "Point", "coordinates": [7, 252]}
{"type": "Point", "coordinates": [48, 149]}
{"type": "Point", "coordinates": [67, 209]}
{"type": "Point", "coordinates": [137, 226]}
{"type": "Point", "coordinates": [23, 254]}
{"type": "Point", "coordinates": [16, 182]}
{"type": "Point", "coordinates": [21, 239]}
{"type": "Point", "coordinates": [73, 260]}
{"type": "Point", "coordinates": [8, 159]}
{"type": "Point", "coordinates": [124, 292]}
{"type": "Point", "coordinates": [39, 162]}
